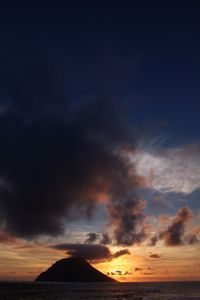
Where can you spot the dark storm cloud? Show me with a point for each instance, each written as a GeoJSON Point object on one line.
{"type": "Point", "coordinates": [58, 157]}
{"type": "Point", "coordinates": [174, 234]}
{"type": "Point", "coordinates": [53, 165]}
{"type": "Point", "coordinates": [94, 252]}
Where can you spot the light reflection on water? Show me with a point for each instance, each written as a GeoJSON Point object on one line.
{"type": "Point", "coordinates": [100, 291]}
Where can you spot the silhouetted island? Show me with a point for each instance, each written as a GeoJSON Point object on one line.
{"type": "Point", "coordinates": [73, 269]}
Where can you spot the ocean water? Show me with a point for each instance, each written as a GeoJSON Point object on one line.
{"type": "Point", "coordinates": [100, 291]}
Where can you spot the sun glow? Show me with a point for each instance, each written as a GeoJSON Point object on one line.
{"type": "Point", "coordinates": [120, 269]}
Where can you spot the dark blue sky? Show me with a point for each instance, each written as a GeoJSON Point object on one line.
{"type": "Point", "coordinates": [146, 52]}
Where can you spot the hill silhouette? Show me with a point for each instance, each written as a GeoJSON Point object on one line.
{"type": "Point", "coordinates": [73, 269]}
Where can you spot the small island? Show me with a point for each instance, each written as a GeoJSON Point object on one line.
{"type": "Point", "coordinates": [73, 269]}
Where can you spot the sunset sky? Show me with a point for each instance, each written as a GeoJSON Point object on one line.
{"type": "Point", "coordinates": [100, 138]}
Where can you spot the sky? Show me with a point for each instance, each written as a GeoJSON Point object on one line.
{"type": "Point", "coordinates": [99, 138]}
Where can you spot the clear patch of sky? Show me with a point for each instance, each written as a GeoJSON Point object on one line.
{"type": "Point", "coordinates": [168, 203]}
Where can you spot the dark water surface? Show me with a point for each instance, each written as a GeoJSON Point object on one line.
{"type": "Point", "coordinates": [99, 291]}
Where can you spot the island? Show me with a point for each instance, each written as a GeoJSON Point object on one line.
{"type": "Point", "coordinates": [73, 269]}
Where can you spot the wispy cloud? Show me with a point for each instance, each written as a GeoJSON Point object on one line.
{"type": "Point", "coordinates": [172, 170]}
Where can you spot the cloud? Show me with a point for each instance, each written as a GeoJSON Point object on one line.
{"type": "Point", "coordinates": [138, 269]}
{"type": "Point", "coordinates": [171, 170]}
{"type": "Point", "coordinates": [59, 157]}
{"type": "Point", "coordinates": [163, 219]}
{"type": "Point", "coordinates": [174, 234]}
{"type": "Point", "coordinates": [119, 273]}
{"type": "Point", "coordinates": [155, 255]}
{"type": "Point", "coordinates": [144, 271]}
{"type": "Point", "coordinates": [5, 237]}
{"type": "Point", "coordinates": [191, 239]}
{"type": "Point", "coordinates": [106, 240]}
{"type": "Point", "coordinates": [153, 241]}
{"type": "Point", "coordinates": [121, 253]}
{"type": "Point", "coordinates": [128, 218]}
{"type": "Point", "coordinates": [93, 252]}
{"type": "Point", "coordinates": [92, 238]}
{"type": "Point", "coordinates": [90, 252]}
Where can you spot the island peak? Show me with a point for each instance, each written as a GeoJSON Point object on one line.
{"type": "Point", "coordinates": [73, 269]}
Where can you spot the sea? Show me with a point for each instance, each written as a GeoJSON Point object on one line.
{"type": "Point", "coordinates": [100, 291]}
